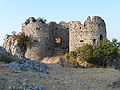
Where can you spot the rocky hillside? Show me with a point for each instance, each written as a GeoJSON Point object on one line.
{"type": "Point", "coordinates": [23, 74]}
{"type": "Point", "coordinates": [59, 78]}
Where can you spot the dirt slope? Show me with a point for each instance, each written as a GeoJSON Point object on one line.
{"type": "Point", "coordinates": [61, 78]}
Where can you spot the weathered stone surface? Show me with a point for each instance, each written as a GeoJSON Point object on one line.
{"type": "Point", "coordinates": [35, 88]}
{"type": "Point", "coordinates": [22, 63]}
{"type": "Point", "coordinates": [91, 32]}
{"type": "Point", "coordinates": [43, 36]}
{"type": "Point", "coordinates": [29, 65]}
{"type": "Point", "coordinates": [39, 33]}
{"type": "Point", "coordinates": [11, 46]}
{"type": "Point", "coordinates": [12, 87]}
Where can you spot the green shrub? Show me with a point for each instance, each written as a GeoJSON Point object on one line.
{"type": "Point", "coordinates": [6, 57]}
{"type": "Point", "coordinates": [73, 54]}
{"type": "Point", "coordinates": [42, 20]}
{"type": "Point", "coordinates": [38, 56]}
{"type": "Point", "coordinates": [102, 54]}
{"type": "Point", "coordinates": [73, 61]}
{"type": "Point", "coordinates": [67, 56]}
{"type": "Point", "coordinates": [109, 51]}
{"type": "Point", "coordinates": [28, 20]}
{"type": "Point", "coordinates": [85, 52]}
{"type": "Point", "coordinates": [23, 41]}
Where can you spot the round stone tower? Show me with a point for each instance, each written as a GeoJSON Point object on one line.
{"type": "Point", "coordinates": [91, 32]}
{"type": "Point", "coordinates": [40, 35]}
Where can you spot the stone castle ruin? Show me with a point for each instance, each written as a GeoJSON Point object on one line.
{"type": "Point", "coordinates": [46, 38]}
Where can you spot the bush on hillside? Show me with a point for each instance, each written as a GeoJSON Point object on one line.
{"type": "Point", "coordinates": [89, 54]}
{"type": "Point", "coordinates": [109, 51]}
{"type": "Point", "coordinates": [73, 54]}
{"type": "Point", "coordinates": [99, 55]}
{"type": "Point", "coordinates": [70, 59]}
{"type": "Point", "coordinates": [5, 56]}
{"type": "Point", "coordinates": [23, 41]}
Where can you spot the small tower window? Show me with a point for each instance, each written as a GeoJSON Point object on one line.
{"type": "Point", "coordinates": [98, 25]}
{"type": "Point", "coordinates": [35, 41]}
{"type": "Point", "coordinates": [81, 40]}
{"type": "Point", "coordinates": [84, 25]}
{"type": "Point", "coordinates": [101, 37]}
{"type": "Point", "coordinates": [94, 41]}
{"type": "Point", "coordinates": [56, 28]}
{"type": "Point", "coordinates": [37, 28]}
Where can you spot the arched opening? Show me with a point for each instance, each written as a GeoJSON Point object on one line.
{"type": "Point", "coordinates": [101, 37]}
{"type": "Point", "coordinates": [58, 41]}
{"type": "Point", "coordinates": [94, 41]}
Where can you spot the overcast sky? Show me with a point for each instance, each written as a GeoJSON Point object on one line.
{"type": "Point", "coordinates": [14, 12]}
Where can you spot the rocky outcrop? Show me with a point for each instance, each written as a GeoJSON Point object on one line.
{"type": "Point", "coordinates": [17, 63]}
{"type": "Point", "coordinates": [28, 88]}
{"type": "Point", "coordinates": [29, 65]}
{"type": "Point", "coordinates": [11, 46]}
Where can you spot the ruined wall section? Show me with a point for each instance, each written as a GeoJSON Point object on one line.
{"type": "Point", "coordinates": [39, 34]}
{"type": "Point", "coordinates": [43, 36]}
{"type": "Point", "coordinates": [91, 32]}
{"type": "Point", "coordinates": [75, 35]}
{"type": "Point", "coordinates": [11, 46]}
{"type": "Point", "coordinates": [62, 30]}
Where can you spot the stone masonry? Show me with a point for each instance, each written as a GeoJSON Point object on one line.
{"type": "Point", "coordinates": [91, 32]}
{"type": "Point", "coordinates": [46, 37]}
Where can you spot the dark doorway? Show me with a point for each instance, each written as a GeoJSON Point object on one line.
{"type": "Point", "coordinates": [94, 41]}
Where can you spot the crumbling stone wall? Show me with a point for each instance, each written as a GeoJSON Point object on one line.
{"type": "Point", "coordinates": [68, 35]}
{"type": "Point", "coordinates": [40, 35]}
{"type": "Point", "coordinates": [11, 46]}
{"type": "Point", "coordinates": [62, 31]}
{"type": "Point", "coordinates": [91, 32]}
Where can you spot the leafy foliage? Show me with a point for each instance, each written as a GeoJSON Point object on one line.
{"type": "Point", "coordinates": [28, 20]}
{"type": "Point", "coordinates": [73, 54]}
{"type": "Point", "coordinates": [67, 56]}
{"type": "Point", "coordinates": [70, 59]}
{"type": "Point", "coordinates": [100, 55]}
{"type": "Point", "coordinates": [5, 56]}
{"type": "Point", "coordinates": [42, 20]}
{"type": "Point", "coordinates": [23, 41]}
{"type": "Point", "coordinates": [109, 50]}
{"type": "Point", "coordinates": [85, 52]}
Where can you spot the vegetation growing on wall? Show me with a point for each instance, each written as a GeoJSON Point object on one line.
{"type": "Point", "coordinates": [38, 54]}
{"type": "Point", "coordinates": [28, 20]}
{"type": "Point", "coordinates": [23, 41]}
{"type": "Point", "coordinates": [100, 55]}
{"type": "Point", "coordinates": [42, 20]}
